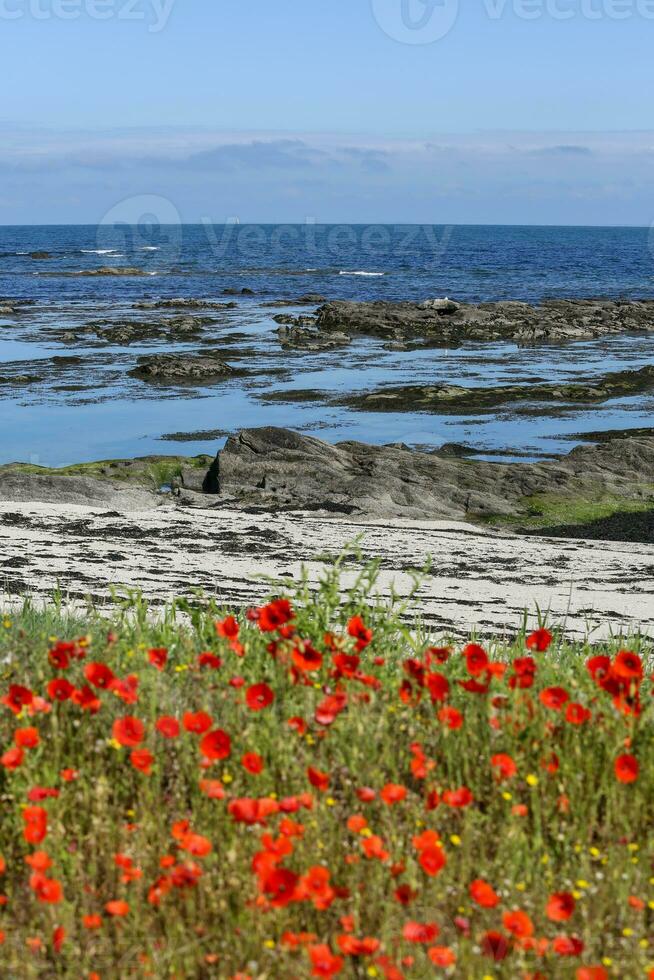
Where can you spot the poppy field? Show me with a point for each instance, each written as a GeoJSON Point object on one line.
{"type": "Point", "coordinates": [315, 788]}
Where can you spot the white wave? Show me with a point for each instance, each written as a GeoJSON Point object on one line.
{"type": "Point", "coordinates": [345, 272]}
{"type": "Point", "coordinates": [149, 248]}
{"type": "Point", "coordinates": [99, 251]}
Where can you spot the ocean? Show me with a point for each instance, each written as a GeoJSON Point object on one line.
{"type": "Point", "coordinates": [91, 408]}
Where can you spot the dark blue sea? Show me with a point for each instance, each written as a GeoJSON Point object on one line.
{"type": "Point", "coordinates": [93, 409]}
{"type": "Point", "coordinates": [472, 263]}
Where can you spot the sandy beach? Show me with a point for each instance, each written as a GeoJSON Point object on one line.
{"type": "Point", "coordinates": [479, 579]}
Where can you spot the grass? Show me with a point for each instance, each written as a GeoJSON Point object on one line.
{"type": "Point", "coordinates": [353, 851]}
{"type": "Point", "coordinates": [152, 472]}
{"type": "Point", "coordinates": [558, 510]}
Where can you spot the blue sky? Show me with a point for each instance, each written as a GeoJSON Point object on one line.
{"type": "Point", "coordinates": [523, 111]}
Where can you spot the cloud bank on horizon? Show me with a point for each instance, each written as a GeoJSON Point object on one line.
{"type": "Point", "coordinates": [52, 176]}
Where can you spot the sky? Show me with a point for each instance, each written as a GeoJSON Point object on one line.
{"type": "Point", "coordinates": [443, 111]}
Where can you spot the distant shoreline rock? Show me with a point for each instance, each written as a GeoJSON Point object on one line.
{"type": "Point", "coordinates": [448, 323]}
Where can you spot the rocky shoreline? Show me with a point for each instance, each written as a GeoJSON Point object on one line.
{"type": "Point", "coordinates": [445, 322]}
{"type": "Point", "coordinates": [599, 490]}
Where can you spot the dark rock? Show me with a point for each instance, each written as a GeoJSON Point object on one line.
{"type": "Point", "coordinates": [296, 336]}
{"type": "Point", "coordinates": [105, 270]}
{"type": "Point", "coordinates": [276, 469]}
{"type": "Point", "coordinates": [182, 368]}
{"type": "Point", "coordinates": [309, 299]}
{"type": "Point", "coordinates": [29, 487]}
{"type": "Point", "coordinates": [175, 328]}
{"type": "Point", "coordinates": [446, 323]}
{"type": "Point", "coordinates": [245, 291]}
{"type": "Point", "coordinates": [20, 379]}
{"type": "Point", "coordinates": [291, 320]}
{"type": "Point", "coordinates": [40, 255]}
{"type": "Point", "coordinates": [203, 435]}
{"type": "Point", "coordinates": [607, 435]}
{"type": "Point", "coordinates": [447, 398]}
{"type": "Point", "coordinates": [63, 361]}
{"type": "Point", "coordinates": [184, 304]}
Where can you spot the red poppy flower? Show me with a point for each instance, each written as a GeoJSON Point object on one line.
{"type": "Point", "coordinates": [576, 714]}
{"type": "Point", "coordinates": [591, 973]}
{"type": "Point", "coordinates": [432, 860]}
{"type": "Point", "coordinates": [495, 945]}
{"type": "Point", "coordinates": [210, 660]}
{"type": "Point", "coordinates": [26, 738]}
{"type": "Point", "coordinates": [279, 886]}
{"type": "Point", "coordinates": [259, 696]}
{"type": "Point", "coordinates": [476, 659]}
{"type": "Point", "coordinates": [324, 963]}
{"type": "Point", "coordinates": [626, 768]}
{"type": "Point", "coordinates": [438, 687]}
{"type": "Point", "coordinates": [358, 629]}
{"type": "Point", "coordinates": [274, 615]}
{"type": "Point", "coordinates": [554, 697]}
{"type": "Point", "coordinates": [627, 666]}
{"type": "Point", "coordinates": [560, 906]}
{"type": "Point", "coordinates": [118, 908]}
{"type": "Point", "coordinates": [39, 793]}
{"type": "Point", "coordinates": [12, 758]}
{"type": "Point", "coordinates": [158, 657]}
{"type": "Point", "coordinates": [35, 819]}
{"type": "Point", "coordinates": [59, 656]}
{"type": "Point", "coordinates": [503, 766]}
{"type": "Point", "coordinates": [518, 924]}
{"type": "Point", "coordinates": [451, 718]}
{"type": "Point", "coordinates": [228, 628]}
{"type": "Point", "coordinates": [458, 797]}
{"type": "Point", "coordinates": [99, 675]}
{"type": "Point", "coordinates": [420, 932]}
{"type": "Point", "coordinates": [197, 722]}
{"type": "Point", "coordinates": [484, 894]}
{"type": "Point", "coordinates": [306, 658]}
{"type": "Point", "coordinates": [60, 689]}
{"type": "Point", "coordinates": [539, 640]}
{"type": "Point", "coordinates": [87, 700]}
{"type": "Point", "coordinates": [19, 697]}
{"type": "Point", "coordinates": [598, 667]}
{"type": "Point", "coordinates": [92, 921]}
{"type": "Point", "coordinates": [167, 726]}
{"type": "Point", "coordinates": [142, 760]}
{"type": "Point", "coordinates": [47, 890]}
{"type": "Point", "coordinates": [297, 724]}
{"type": "Point", "coordinates": [392, 793]}
{"type": "Point", "coordinates": [318, 779]}
{"type": "Point", "coordinates": [568, 946]}
{"type": "Point", "coordinates": [442, 956]}
{"type": "Point", "coordinates": [129, 731]}
{"type": "Point", "coordinates": [216, 745]}
{"type": "Point", "coordinates": [252, 762]}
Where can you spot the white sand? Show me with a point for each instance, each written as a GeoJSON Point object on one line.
{"type": "Point", "coordinates": [479, 579]}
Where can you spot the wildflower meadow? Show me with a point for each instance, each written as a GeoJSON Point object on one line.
{"type": "Point", "coordinates": [314, 788]}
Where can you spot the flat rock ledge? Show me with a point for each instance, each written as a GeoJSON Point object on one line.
{"type": "Point", "coordinates": [448, 323]}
